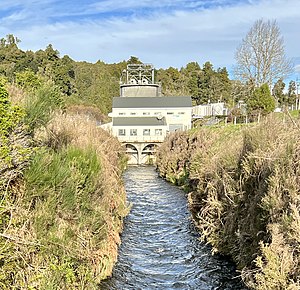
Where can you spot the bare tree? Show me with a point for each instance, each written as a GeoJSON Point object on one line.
{"type": "Point", "coordinates": [261, 57]}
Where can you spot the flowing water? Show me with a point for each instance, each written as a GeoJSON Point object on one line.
{"type": "Point", "coordinates": [160, 248]}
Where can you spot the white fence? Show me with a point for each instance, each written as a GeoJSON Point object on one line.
{"type": "Point", "coordinates": [213, 109]}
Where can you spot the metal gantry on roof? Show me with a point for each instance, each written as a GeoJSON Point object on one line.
{"type": "Point", "coordinates": [141, 74]}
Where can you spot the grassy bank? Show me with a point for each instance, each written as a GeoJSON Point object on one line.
{"type": "Point", "coordinates": [244, 195]}
{"type": "Point", "coordinates": [62, 197]}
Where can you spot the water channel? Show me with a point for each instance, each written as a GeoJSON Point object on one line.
{"type": "Point", "coordinates": [160, 247]}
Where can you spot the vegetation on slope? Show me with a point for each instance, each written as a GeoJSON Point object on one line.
{"type": "Point", "coordinates": [244, 195]}
{"type": "Point", "coordinates": [62, 199]}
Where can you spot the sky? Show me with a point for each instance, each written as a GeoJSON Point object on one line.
{"type": "Point", "coordinates": [162, 32]}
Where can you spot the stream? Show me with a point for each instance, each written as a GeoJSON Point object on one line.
{"type": "Point", "coordinates": [160, 247]}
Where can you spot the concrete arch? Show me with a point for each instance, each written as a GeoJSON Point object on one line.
{"type": "Point", "coordinates": [150, 146]}
{"type": "Point", "coordinates": [130, 146]}
{"type": "Point", "coordinates": [132, 152]}
{"type": "Point", "coordinates": [148, 153]}
{"type": "Point", "coordinates": [140, 153]}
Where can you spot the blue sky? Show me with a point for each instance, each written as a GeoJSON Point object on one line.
{"type": "Point", "coordinates": [164, 32]}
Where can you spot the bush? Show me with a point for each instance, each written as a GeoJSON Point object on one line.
{"type": "Point", "coordinates": [40, 106]}
{"type": "Point", "coordinates": [244, 196]}
{"type": "Point", "coordinates": [62, 212]}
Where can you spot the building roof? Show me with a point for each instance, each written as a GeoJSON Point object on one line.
{"type": "Point", "coordinates": [152, 102]}
{"type": "Point", "coordinates": [139, 121]}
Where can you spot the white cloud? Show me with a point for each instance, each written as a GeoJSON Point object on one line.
{"type": "Point", "coordinates": [297, 68]}
{"type": "Point", "coordinates": [164, 38]}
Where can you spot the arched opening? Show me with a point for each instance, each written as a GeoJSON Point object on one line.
{"type": "Point", "coordinates": [133, 154]}
{"type": "Point", "coordinates": [148, 154]}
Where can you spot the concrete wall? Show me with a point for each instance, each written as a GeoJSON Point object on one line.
{"type": "Point", "coordinates": [150, 90]}
{"type": "Point", "coordinates": [140, 137]}
{"type": "Point", "coordinates": [174, 116]}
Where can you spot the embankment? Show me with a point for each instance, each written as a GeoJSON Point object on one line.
{"type": "Point", "coordinates": [62, 197]}
{"type": "Point", "coordinates": [244, 195]}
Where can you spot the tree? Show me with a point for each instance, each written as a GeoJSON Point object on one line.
{"type": "Point", "coordinates": [172, 81]}
{"type": "Point", "coordinates": [225, 88]}
{"type": "Point", "coordinates": [28, 80]}
{"type": "Point", "coordinates": [278, 93]}
{"type": "Point", "coordinates": [134, 60]}
{"type": "Point", "coordinates": [292, 96]}
{"type": "Point", "coordinates": [10, 40]}
{"type": "Point", "coordinates": [10, 55]}
{"type": "Point", "coordinates": [191, 74]}
{"type": "Point", "coordinates": [261, 56]}
{"type": "Point", "coordinates": [205, 85]}
{"type": "Point", "coordinates": [261, 102]}
{"type": "Point", "coordinates": [51, 53]}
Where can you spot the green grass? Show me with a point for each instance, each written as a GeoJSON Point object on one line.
{"type": "Point", "coordinates": [69, 223]}
{"type": "Point", "coordinates": [295, 113]}
{"type": "Point", "coordinates": [40, 105]}
{"type": "Point", "coordinates": [61, 206]}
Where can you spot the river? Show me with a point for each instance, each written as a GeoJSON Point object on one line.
{"type": "Point", "coordinates": [160, 247]}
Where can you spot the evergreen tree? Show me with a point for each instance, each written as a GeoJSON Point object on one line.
{"type": "Point", "coordinates": [278, 93]}
{"type": "Point", "coordinates": [225, 84]}
{"type": "Point", "coordinates": [205, 84]}
{"type": "Point", "coordinates": [292, 95]}
{"type": "Point", "coordinates": [192, 73]}
{"type": "Point", "coordinates": [261, 102]}
{"type": "Point", "coordinates": [134, 60]}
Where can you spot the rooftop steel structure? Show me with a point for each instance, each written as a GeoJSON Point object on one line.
{"type": "Point", "coordinates": [138, 74]}
{"type": "Point", "coordinates": [138, 81]}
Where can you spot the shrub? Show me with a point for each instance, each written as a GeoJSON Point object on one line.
{"type": "Point", "coordinates": [244, 196]}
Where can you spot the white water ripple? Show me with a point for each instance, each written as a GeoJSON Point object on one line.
{"type": "Point", "coordinates": [160, 248]}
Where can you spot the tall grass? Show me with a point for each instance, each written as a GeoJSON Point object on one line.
{"type": "Point", "coordinates": [40, 105]}
{"type": "Point", "coordinates": [61, 218]}
{"type": "Point", "coordinates": [244, 197]}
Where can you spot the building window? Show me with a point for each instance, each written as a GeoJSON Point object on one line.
{"type": "Point", "coordinates": [158, 132]}
{"type": "Point", "coordinates": [133, 132]}
{"type": "Point", "coordinates": [122, 132]}
{"type": "Point", "coordinates": [122, 114]}
{"type": "Point", "coordinates": [170, 113]}
{"type": "Point", "coordinates": [132, 114]}
{"type": "Point", "coordinates": [146, 132]}
{"type": "Point", "coordinates": [157, 113]}
{"type": "Point", "coordinates": [181, 113]}
{"type": "Point", "coordinates": [146, 113]}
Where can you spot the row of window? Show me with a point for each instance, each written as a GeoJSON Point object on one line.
{"type": "Point", "coordinates": [146, 132]}
{"type": "Point", "coordinates": [148, 113]}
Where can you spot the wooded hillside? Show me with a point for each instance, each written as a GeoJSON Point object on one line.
{"type": "Point", "coordinates": [97, 83]}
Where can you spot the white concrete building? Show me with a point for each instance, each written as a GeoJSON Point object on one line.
{"type": "Point", "coordinates": [151, 118]}
{"type": "Point", "coordinates": [141, 117]}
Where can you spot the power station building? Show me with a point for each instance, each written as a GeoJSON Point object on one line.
{"type": "Point", "coordinates": [142, 117]}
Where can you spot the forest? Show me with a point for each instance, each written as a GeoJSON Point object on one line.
{"type": "Point", "coordinates": [93, 85]}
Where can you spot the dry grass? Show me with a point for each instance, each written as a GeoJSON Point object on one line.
{"type": "Point", "coordinates": [244, 196]}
